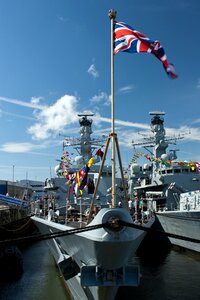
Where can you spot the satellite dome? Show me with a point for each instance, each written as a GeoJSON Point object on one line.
{"type": "Point", "coordinates": [57, 169]}
{"type": "Point", "coordinates": [78, 160]}
{"type": "Point", "coordinates": [146, 167]}
{"type": "Point", "coordinates": [164, 157]}
{"type": "Point", "coordinates": [135, 168]}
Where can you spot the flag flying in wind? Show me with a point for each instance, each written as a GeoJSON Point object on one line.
{"type": "Point", "coordinates": [130, 40]}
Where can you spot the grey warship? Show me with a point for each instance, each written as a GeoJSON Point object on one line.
{"type": "Point", "coordinates": [96, 259]}
{"type": "Point", "coordinates": [60, 189]}
{"type": "Point", "coordinates": [170, 184]}
{"type": "Point", "coordinates": [95, 263]}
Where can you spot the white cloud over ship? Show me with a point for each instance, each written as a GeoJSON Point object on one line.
{"type": "Point", "coordinates": [61, 116]}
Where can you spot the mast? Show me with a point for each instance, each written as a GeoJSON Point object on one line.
{"type": "Point", "coordinates": [112, 136]}
{"type": "Point", "coordinates": [112, 15]}
{"type": "Point", "coordinates": [85, 136]}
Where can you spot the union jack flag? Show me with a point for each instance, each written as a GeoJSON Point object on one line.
{"type": "Point", "coordinates": [127, 39]}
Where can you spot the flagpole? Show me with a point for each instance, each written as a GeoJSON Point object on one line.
{"type": "Point", "coordinates": [112, 15]}
{"type": "Point", "coordinates": [112, 136]}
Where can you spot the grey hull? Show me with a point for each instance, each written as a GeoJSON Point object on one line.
{"type": "Point", "coordinates": [186, 224]}
{"type": "Point", "coordinates": [95, 263]}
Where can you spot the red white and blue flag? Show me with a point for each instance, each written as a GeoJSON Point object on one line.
{"type": "Point", "coordinates": [127, 39]}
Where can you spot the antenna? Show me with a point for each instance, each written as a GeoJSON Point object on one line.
{"type": "Point", "coordinates": [85, 114]}
{"type": "Point", "coordinates": [157, 113]}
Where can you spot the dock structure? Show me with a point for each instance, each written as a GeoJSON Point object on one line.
{"type": "Point", "coordinates": [10, 214]}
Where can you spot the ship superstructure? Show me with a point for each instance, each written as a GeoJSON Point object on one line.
{"type": "Point", "coordinates": [171, 186]}
{"type": "Point", "coordinates": [61, 188]}
{"type": "Point", "coordinates": [163, 176]}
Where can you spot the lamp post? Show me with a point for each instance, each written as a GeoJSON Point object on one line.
{"type": "Point", "coordinates": [13, 177]}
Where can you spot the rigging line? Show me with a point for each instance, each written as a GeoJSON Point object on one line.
{"type": "Point", "coordinates": [168, 234]}
{"type": "Point", "coordinates": [40, 237]}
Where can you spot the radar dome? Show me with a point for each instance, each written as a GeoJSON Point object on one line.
{"type": "Point", "coordinates": [78, 160]}
{"type": "Point", "coordinates": [57, 170]}
{"type": "Point", "coordinates": [164, 157]}
{"type": "Point", "coordinates": [146, 167]}
{"type": "Point", "coordinates": [135, 168]}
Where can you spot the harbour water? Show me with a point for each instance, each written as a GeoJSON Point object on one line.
{"type": "Point", "coordinates": [40, 280]}
{"type": "Point", "coordinates": [166, 275]}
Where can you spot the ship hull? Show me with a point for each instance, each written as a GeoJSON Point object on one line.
{"type": "Point", "coordinates": [183, 223]}
{"type": "Point", "coordinates": [95, 263]}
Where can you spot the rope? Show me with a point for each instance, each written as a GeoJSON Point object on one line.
{"type": "Point", "coordinates": [40, 237]}
{"type": "Point", "coordinates": [168, 234]}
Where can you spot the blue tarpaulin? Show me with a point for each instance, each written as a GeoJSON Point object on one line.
{"type": "Point", "coordinates": [13, 201]}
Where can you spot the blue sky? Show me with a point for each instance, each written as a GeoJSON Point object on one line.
{"type": "Point", "coordinates": [55, 63]}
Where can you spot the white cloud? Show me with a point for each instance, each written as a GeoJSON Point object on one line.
{"type": "Point", "coordinates": [17, 147]}
{"type": "Point", "coordinates": [98, 118]}
{"type": "Point", "coordinates": [36, 100]}
{"type": "Point", "coordinates": [2, 112]}
{"type": "Point", "coordinates": [62, 19]}
{"type": "Point", "coordinates": [22, 103]}
{"type": "Point", "coordinates": [26, 147]}
{"type": "Point", "coordinates": [92, 71]}
{"type": "Point", "coordinates": [57, 118]}
{"type": "Point", "coordinates": [126, 89]}
{"type": "Point", "coordinates": [188, 133]}
{"type": "Point", "coordinates": [102, 98]}
{"type": "Point", "coordinates": [54, 118]}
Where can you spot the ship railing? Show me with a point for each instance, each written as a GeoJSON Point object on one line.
{"type": "Point", "coordinates": [142, 212]}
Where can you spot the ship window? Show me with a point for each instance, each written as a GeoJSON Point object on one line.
{"type": "Point", "coordinates": [169, 171]}
{"type": "Point", "coordinates": [185, 170]}
{"type": "Point", "coordinates": [177, 170]}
